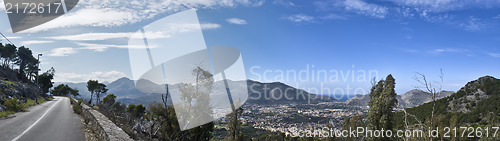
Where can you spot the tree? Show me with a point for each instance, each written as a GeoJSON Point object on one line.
{"type": "Point", "coordinates": [45, 80]}
{"type": "Point", "coordinates": [165, 125]}
{"type": "Point", "coordinates": [389, 102]}
{"type": "Point", "coordinates": [430, 88]}
{"type": "Point", "coordinates": [109, 100]}
{"type": "Point", "coordinates": [234, 124]}
{"type": "Point", "coordinates": [352, 122]}
{"type": "Point", "coordinates": [375, 112]}
{"type": "Point", "coordinates": [32, 69]}
{"type": "Point", "coordinates": [25, 58]}
{"type": "Point", "coordinates": [136, 111]}
{"type": "Point", "coordinates": [8, 54]}
{"type": "Point", "coordinates": [96, 89]}
{"type": "Point", "coordinates": [382, 102]}
{"type": "Point", "coordinates": [91, 87]}
{"type": "Point", "coordinates": [2, 48]}
{"type": "Point", "coordinates": [64, 90]}
{"type": "Point", "coordinates": [101, 89]}
{"type": "Point", "coordinates": [196, 104]}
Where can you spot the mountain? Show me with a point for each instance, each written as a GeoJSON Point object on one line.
{"type": "Point", "coordinates": [409, 99]}
{"type": "Point", "coordinates": [480, 90]}
{"type": "Point", "coordinates": [258, 93]}
{"type": "Point", "coordinates": [279, 93]}
{"type": "Point", "coordinates": [123, 88]}
{"type": "Point", "coordinates": [360, 100]}
{"type": "Point", "coordinates": [417, 97]}
{"type": "Point", "coordinates": [475, 104]}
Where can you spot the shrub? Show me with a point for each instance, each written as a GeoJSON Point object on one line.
{"type": "Point", "coordinates": [13, 105]}
{"type": "Point", "coordinates": [77, 107]}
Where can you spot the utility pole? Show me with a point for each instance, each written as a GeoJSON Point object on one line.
{"type": "Point", "coordinates": [37, 84]}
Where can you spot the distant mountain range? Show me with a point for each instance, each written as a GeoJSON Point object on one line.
{"type": "Point", "coordinates": [258, 93]}
{"type": "Point", "coordinates": [409, 99]}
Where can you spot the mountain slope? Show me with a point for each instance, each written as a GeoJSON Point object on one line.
{"type": "Point", "coordinates": [409, 99]}
{"type": "Point", "coordinates": [279, 93]}
{"type": "Point", "coordinates": [475, 104]}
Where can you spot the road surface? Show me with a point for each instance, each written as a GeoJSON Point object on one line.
{"type": "Point", "coordinates": [50, 121]}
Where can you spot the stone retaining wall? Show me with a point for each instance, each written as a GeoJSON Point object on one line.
{"type": "Point", "coordinates": [105, 129]}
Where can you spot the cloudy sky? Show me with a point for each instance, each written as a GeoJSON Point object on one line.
{"type": "Point", "coordinates": [399, 37]}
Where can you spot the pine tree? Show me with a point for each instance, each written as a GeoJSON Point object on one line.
{"type": "Point", "coordinates": [382, 102]}
{"type": "Point", "coordinates": [389, 102]}
{"type": "Point", "coordinates": [374, 112]}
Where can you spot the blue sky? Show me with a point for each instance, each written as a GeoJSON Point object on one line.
{"type": "Point", "coordinates": [398, 37]}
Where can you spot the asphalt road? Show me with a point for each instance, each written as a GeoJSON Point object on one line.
{"type": "Point", "coordinates": [50, 121]}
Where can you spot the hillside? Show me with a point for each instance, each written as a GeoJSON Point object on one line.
{"type": "Point", "coordinates": [274, 93]}
{"type": "Point", "coordinates": [476, 104]}
{"type": "Point", "coordinates": [19, 87]}
{"type": "Point", "coordinates": [409, 99]}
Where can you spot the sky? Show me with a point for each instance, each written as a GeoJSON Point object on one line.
{"type": "Point", "coordinates": [345, 43]}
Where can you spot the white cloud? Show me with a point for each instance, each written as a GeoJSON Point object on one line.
{"type": "Point", "coordinates": [473, 24]}
{"type": "Point", "coordinates": [106, 17]}
{"type": "Point", "coordinates": [104, 47]}
{"type": "Point", "coordinates": [285, 3]}
{"type": "Point", "coordinates": [440, 50]}
{"type": "Point", "coordinates": [446, 5]}
{"type": "Point", "coordinates": [14, 37]}
{"type": "Point", "coordinates": [109, 13]}
{"type": "Point", "coordinates": [365, 8]}
{"type": "Point", "coordinates": [171, 30]}
{"type": "Point", "coordinates": [236, 21]}
{"type": "Point", "coordinates": [429, 10]}
{"type": "Point", "coordinates": [65, 51]}
{"type": "Point", "coordinates": [2, 5]}
{"type": "Point", "coordinates": [430, 4]}
{"type": "Point", "coordinates": [408, 50]}
{"type": "Point", "coordinates": [436, 18]}
{"type": "Point", "coordinates": [299, 18]}
{"type": "Point", "coordinates": [26, 43]}
{"type": "Point", "coordinates": [451, 50]}
{"type": "Point", "coordinates": [497, 55]}
{"type": "Point", "coordinates": [210, 26]}
{"type": "Point", "coordinates": [76, 77]}
{"type": "Point", "coordinates": [91, 36]}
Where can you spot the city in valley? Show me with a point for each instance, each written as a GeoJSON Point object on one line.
{"type": "Point", "coordinates": [280, 118]}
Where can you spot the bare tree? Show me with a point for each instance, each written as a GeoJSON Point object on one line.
{"type": "Point", "coordinates": [430, 88]}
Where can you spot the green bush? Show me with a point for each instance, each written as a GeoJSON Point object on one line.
{"type": "Point", "coordinates": [13, 105]}
{"type": "Point", "coordinates": [77, 107]}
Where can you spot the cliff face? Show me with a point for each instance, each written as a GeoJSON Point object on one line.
{"type": "Point", "coordinates": [11, 89]}
{"type": "Point", "coordinates": [474, 92]}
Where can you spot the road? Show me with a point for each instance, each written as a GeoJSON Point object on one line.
{"type": "Point", "coordinates": [50, 121]}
